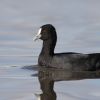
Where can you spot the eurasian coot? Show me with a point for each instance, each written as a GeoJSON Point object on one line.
{"type": "Point", "coordinates": [70, 60]}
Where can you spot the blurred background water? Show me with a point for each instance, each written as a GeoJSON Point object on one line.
{"type": "Point", "coordinates": [77, 23]}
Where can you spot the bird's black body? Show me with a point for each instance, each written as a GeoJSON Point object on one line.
{"type": "Point", "coordinates": [70, 61]}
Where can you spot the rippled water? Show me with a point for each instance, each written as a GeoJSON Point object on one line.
{"type": "Point", "coordinates": [78, 29]}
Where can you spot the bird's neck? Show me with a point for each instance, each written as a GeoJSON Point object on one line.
{"type": "Point", "coordinates": [48, 48]}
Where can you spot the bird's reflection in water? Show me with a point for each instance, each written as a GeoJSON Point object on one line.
{"type": "Point", "coordinates": [47, 77]}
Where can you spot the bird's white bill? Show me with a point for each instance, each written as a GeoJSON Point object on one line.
{"type": "Point", "coordinates": [38, 35]}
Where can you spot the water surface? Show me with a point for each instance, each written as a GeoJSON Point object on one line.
{"type": "Point", "coordinates": [78, 29]}
{"type": "Point", "coordinates": [77, 23]}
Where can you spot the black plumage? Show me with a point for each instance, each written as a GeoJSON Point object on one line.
{"type": "Point", "coordinates": [71, 61]}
